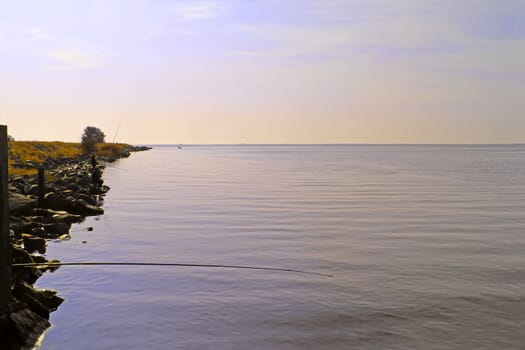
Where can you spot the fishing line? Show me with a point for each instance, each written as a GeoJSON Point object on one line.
{"type": "Point", "coordinates": [93, 263]}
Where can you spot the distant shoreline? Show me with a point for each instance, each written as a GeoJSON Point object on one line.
{"type": "Point", "coordinates": [338, 144]}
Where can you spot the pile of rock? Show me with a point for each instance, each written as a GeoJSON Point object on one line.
{"type": "Point", "coordinates": [73, 190]}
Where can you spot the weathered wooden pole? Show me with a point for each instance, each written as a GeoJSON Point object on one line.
{"type": "Point", "coordinates": [5, 246]}
{"type": "Point", "coordinates": [41, 187]}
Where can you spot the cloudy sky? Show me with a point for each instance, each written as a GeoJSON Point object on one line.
{"type": "Point", "coordinates": [303, 71]}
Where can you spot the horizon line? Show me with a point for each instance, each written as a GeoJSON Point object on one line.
{"type": "Point", "coordinates": [307, 143]}
{"type": "Point", "coordinates": [335, 144]}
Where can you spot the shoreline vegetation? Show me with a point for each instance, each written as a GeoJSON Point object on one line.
{"type": "Point", "coordinates": [73, 190]}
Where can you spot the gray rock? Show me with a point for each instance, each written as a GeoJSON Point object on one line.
{"type": "Point", "coordinates": [57, 228]}
{"type": "Point", "coordinates": [88, 199]}
{"type": "Point", "coordinates": [29, 326]}
{"type": "Point", "coordinates": [83, 208]}
{"type": "Point", "coordinates": [33, 243]}
{"type": "Point", "coordinates": [66, 217]}
{"type": "Point", "coordinates": [33, 190]}
{"type": "Point", "coordinates": [54, 201]}
{"type": "Point", "coordinates": [41, 301]}
{"type": "Point", "coordinates": [20, 204]}
{"type": "Point", "coordinates": [39, 231]}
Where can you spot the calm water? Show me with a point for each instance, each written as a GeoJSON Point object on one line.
{"type": "Point", "coordinates": [427, 244]}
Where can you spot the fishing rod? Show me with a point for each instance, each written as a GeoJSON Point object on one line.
{"type": "Point", "coordinates": [116, 132]}
{"type": "Point", "coordinates": [98, 263]}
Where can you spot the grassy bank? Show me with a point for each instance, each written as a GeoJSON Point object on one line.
{"type": "Point", "coordinates": [25, 155]}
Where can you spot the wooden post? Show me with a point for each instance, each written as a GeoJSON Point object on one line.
{"type": "Point", "coordinates": [41, 187]}
{"type": "Point", "coordinates": [5, 245]}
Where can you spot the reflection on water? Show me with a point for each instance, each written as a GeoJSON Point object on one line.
{"type": "Point", "coordinates": [426, 243]}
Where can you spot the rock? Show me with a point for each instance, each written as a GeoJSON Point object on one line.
{"type": "Point", "coordinates": [33, 190]}
{"type": "Point", "coordinates": [61, 228]}
{"type": "Point", "coordinates": [25, 226]}
{"type": "Point", "coordinates": [84, 182]}
{"type": "Point", "coordinates": [40, 232]}
{"type": "Point", "coordinates": [29, 326]}
{"type": "Point", "coordinates": [41, 301]}
{"type": "Point", "coordinates": [54, 201]}
{"type": "Point", "coordinates": [35, 218]}
{"type": "Point", "coordinates": [88, 199]}
{"type": "Point", "coordinates": [52, 216]}
{"type": "Point", "coordinates": [72, 195]}
{"type": "Point", "coordinates": [66, 193]}
{"type": "Point", "coordinates": [33, 303]}
{"type": "Point", "coordinates": [32, 243]}
{"type": "Point", "coordinates": [67, 217]}
{"type": "Point", "coordinates": [83, 208]}
{"type": "Point", "coordinates": [139, 148]}
{"type": "Point", "coordinates": [57, 229]}
{"type": "Point", "coordinates": [39, 259]}
{"type": "Point", "coordinates": [49, 298]}
{"type": "Point", "coordinates": [21, 256]}
{"type": "Point", "coordinates": [19, 203]}
{"type": "Point", "coordinates": [52, 266]}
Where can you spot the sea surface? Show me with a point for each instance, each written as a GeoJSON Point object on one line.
{"type": "Point", "coordinates": [426, 243]}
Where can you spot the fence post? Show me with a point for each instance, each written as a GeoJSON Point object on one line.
{"type": "Point", "coordinates": [5, 245]}
{"type": "Point", "coordinates": [41, 187]}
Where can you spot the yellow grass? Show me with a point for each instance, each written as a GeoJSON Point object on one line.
{"type": "Point", "coordinates": [37, 152]}
{"type": "Point", "coordinates": [111, 149]}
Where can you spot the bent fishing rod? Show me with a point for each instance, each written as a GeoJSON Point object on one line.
{"type": "Point", "coordinates": [100, 263]}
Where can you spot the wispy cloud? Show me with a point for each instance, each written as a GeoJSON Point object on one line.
{"type": "Point", "coordinates": [381, 36]}
{"type": "Point", "coordinates": [298, 41]}
{"type": "Point", "coordinates": [251, 53]}
{"type": "Point", "coordinates": [40, 34]}
{"type": "Point", "coordinates": [154, 31]}
{"type": "Point", "coordinates": [190, 11]}
{"type": "Point", "coordinates": [68, 60]}
{"type": "Point", "coordinates": [50, 49]}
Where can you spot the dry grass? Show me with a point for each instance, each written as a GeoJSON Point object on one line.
{"type": "Point", "coordinates": [111, 149]}
{"type": "Point", "coordinates": [21, 172]}
{"type": "Point", "coordinates": [39, 151]}
{"type": "Point", "coordinates": [27, 153]}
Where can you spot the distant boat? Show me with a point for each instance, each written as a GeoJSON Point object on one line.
{"type": "Point", "coordinates": [180, 146]}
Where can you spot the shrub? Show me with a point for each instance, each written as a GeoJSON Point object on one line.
{"type": "Point", "coordinates": [90, 138]}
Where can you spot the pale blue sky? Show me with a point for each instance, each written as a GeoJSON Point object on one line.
{"type": "Point", "coordinates": [312, 71]}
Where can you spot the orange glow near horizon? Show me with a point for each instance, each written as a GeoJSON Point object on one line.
{"type": "Point", "coordinates": [233, 72]}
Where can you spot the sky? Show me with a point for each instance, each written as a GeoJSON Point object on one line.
{"type": "Point", "coordinates": [303, 71]}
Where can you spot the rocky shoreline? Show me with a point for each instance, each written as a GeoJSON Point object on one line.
{"type": "Point", "coordinates": [73, 190]}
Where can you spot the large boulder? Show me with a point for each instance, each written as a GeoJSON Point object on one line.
{"type": "Point", "coordinates": [27, 328]}
{"type": "Point", "coordinates": [81, 207]}
{"type": "Point", "coordinates": [42, 302]}
{"type": "Point", "coordinates": [54, 201]}
{"type": "Point", "coordinates": [52, 216]}
{"type": "Point", "coordinates": [20, 204]}
{"type": "Point", "coordinates": [57, 229]}
{"type": "Point", "coordinates": [33, 243]}
{"type": "Point", "coordinates": [67, 217]}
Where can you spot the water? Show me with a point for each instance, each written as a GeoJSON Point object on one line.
{"type": "Point", "coordinates": [426, 244]}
